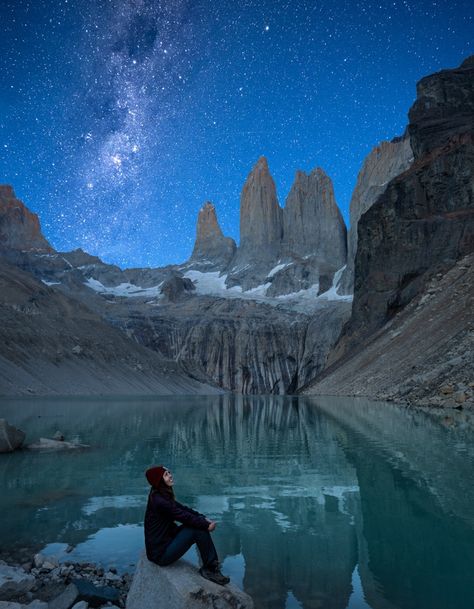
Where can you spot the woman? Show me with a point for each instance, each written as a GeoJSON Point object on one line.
{"type": "Point", "coordinates": [165, 542]}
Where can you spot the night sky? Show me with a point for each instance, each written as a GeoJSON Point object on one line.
{"type": "Point", "coordinates": [119, 118]}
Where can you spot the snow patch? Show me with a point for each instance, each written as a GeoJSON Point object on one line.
{"type": "Point", "coordinates": [211, 284]}
{"type": "Point", "coordinates": [48, 283]}
{"type": "Point", "coordinates": [123, 289]}
{"type": "Point", "coordinates": [332, 294]}
{"type": "Point", "coordinates": [278, 268]}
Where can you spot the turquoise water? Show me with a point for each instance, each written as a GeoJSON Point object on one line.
{"type": "Point", "coordinates": [321, 503]}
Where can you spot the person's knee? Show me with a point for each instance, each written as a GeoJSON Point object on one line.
{"type": "Point", "coordinates": [199, 534]}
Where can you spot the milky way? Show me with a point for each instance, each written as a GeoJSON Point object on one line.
{"type": "Point", "coordinates": [120, 118]}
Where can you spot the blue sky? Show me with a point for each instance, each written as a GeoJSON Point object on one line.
{"type": "Point", "coordinates": [118, 119]}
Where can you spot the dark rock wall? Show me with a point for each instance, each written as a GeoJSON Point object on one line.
{"type": "Point", "coordinates": [424, 221]}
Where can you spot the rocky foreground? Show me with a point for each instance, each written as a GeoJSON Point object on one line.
{"type": "Point", "coordinates": [41, 582]}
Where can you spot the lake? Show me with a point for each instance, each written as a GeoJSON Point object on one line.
{"type": "Point", "coordinates": [325, 503]}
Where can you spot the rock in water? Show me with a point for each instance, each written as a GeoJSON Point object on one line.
{"type": "Point", "coordinates": [19, 227]}
{"type": "Point", "coordinates": [385, 162]}
{"type": "Point", "coordinates": [312, 222]}
{"type": "Point", "coordinates": [260, 216]}
{"type": "Point", "coordinates": [211, 248]}
{"type": "Point", "coordinates": [10, 437]}
{"type": "Point", "coordinates": [180, 586]}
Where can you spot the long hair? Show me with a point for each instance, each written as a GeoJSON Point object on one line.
{"type": "Point", "coordinates": [164, 490]}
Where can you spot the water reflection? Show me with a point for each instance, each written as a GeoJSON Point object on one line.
{"type": "Point", "coordinates": [320, 503]}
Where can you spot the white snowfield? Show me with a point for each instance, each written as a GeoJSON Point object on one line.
{"type": "Point", "coordinates": [123, 289]}
{"type": "Point", "coordinates": [214, 284]}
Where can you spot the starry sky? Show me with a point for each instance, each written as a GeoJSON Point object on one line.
{"type": "Point", "coordinates": [119, 118]}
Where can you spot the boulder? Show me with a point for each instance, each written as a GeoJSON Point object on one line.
{"type": "Point", "coordinates": [10, 437]}
{"type": "Point", "coordinates": [95, 595]}
{"type": "Point", "coordinates": [66, 599]}
{"type": "Point", "coordinates": [14, 582]}
{"type": "Point", "coordinates": [180, 586]}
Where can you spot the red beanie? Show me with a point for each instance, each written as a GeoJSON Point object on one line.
{"type": "Point", "coordinates": [155, 474]}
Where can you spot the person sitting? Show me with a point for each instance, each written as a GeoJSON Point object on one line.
{"type": "Point", "coordinates": [165, 541]}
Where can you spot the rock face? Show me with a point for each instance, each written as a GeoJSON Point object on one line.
{"type": "Point", "coordinates": [443, 110]}
{"type": "Point", "coordinates": [11, 438]}
{"type": "Point", "coordinates": [211, 247]}
{"type": "Point", "coordinates": [19, 227]}
{"type": "Point", "coordinates": [312, 222]}
{"type": "Point", "coordinates": [240, 345]}
{"type": "Point", "coordinates": [260, 216]}
{"type": "Point", "coordinates": [424, 221]}
{"type": "Point", "coordinates": [179, 586]}
{"type": "Point", "coordinates": [385, 161]}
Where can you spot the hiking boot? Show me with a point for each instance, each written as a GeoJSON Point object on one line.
{"type": "Point", "coordinates": [214, 575]}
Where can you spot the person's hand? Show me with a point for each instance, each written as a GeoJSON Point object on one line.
{"type": "Point", "coordinates": [212, 526]}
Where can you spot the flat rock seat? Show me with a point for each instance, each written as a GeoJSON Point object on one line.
{"type": "Point", "coordinates": [180, 586]}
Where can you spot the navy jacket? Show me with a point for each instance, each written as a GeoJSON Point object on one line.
{"type": "Point", "coordinates": [160, 528]}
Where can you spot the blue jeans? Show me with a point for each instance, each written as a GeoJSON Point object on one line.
{"type": "Point", "coordinates": [183, 540]}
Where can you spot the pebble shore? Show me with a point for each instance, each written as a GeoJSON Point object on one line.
{"type": "Point", "coordinates": [52, 577]}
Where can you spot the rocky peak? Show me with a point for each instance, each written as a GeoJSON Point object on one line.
{"type": "Point", "coordinates": [382, 164]}
{"type": "Point", "coordinates": [211, 246]}
{"type": "Point", "coordinates": [312, 222]}
{"type": "Point", "coordinates": [260, 215]}
{"type": "Point", "coordinates": [19, 227]}
{"type": "Point", "coordinates": [444, 108]}
{"type": "Point", "coordinates": [423, 222]}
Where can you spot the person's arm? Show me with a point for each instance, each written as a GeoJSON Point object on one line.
{"type": "Point", "coordinates": [179, 512]}
{"type": "Point", "coordinates": [185, 507]}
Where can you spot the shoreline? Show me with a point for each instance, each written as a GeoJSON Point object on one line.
{"type": "Point", "coordinates": [43, 578]}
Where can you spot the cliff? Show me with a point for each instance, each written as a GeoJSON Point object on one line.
{"type": "Point", "coordinates": [211, 248]}
{"type": "Point", "coordinates": [19, 227]}
{"type": "Point", "coordinates": [420, 230]}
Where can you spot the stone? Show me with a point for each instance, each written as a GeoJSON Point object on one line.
{"type": "Point", "coordinates": [11, 438]}
{"type": "Point", "coordinates": [50, 563]}
{"type": "Point", "coordinates": [59, 436]}
{"type": "Point", "coordinates": [66, 599]}
{"type": "Point", "coordinates": [211, 249]}
{"type": "Point", "coordinates": [95, 595]}
{"type": "Point", "coordinates": [175, 287]}
{"type": "Point", "coordinates": [446, 389]}
{"type": "Point", "coordinates": [35, 604]}
{"type": "Point", "coordinates": [180, 586]}
{"type": "Point", "coordinates": [460, 397]}
{"type": "Point", "coordinates": [77, 349]}
{"type": "Point", "coordinates": [14, 582]}
{"type": "Point", "coordinates": [81, 605]}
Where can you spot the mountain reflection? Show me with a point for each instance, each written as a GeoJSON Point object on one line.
{"type": "Point", "coordinates": [307, 492]}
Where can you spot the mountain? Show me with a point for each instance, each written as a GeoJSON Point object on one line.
{"type": "Point", "coordinates": [414, 254]}
{"type": "Point", "coordinates": [260, 217]}
{"type": "Point", "coordinates": [385, 161]}
{"type": "Point", "coordinates": [211, 248]}
{"type": "Point", "coordinates": [312, 222]}
{"type": "Point", "coordinates": [51, 343]}
{"type": "Point", "coordinates": [19, 227]}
